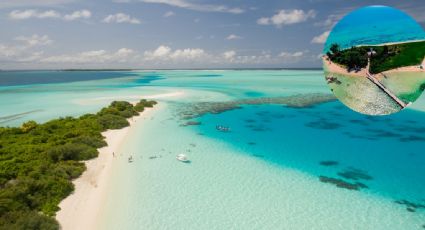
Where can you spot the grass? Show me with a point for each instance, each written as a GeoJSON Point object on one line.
{"type": "Point", "coordinates": [407, 54]}
{"type": "Point", "coordinates": [387, 57]}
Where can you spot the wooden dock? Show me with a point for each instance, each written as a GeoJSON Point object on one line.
{"type": "Point", "coordinates": [389, 93]}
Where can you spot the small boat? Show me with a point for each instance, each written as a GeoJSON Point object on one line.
{"type": "Point", "coordinates": [130, 159]}
{"type": "Point", "coordinates": [222, 128]}
{"type": "Point", "coordinates": [182, 158]}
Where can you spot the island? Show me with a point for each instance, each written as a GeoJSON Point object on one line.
{"type": "Point", "coordinates": [376, 79]}
{"type": "Point", "coordinates": [40, 161]}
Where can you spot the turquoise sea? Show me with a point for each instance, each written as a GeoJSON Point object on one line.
{"type": "Point", "coordinates": [374, 25]}
{"type": "Point", "coordinates": [277, 168]}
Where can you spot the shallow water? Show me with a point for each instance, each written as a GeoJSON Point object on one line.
{"type": "Point", "coordinates": [264, 174]}
{"type": "Point", "coordinates": [374, 25]}
{"type": "Point", "coordinates": [361, 95]}
{"type": "Point", "coordinates": [407, 85]}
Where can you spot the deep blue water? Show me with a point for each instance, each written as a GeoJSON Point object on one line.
{"type": "Point", "coordinates": [147, 79]}
{"type": "Point", "coordinates": [389, 149]}
{"type": "Point", "coordinates": [10, 78]}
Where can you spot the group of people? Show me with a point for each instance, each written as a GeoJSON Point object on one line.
{"type": "Point", "coordinates": [130, 158]}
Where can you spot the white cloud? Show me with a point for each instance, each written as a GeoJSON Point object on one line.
{"type": "Point", "coordinates": [7, 51]}
{"type": "Point", "coordinates": [84, 14]}
{"type": "Point", "coordinates": [94, 56]}
{"type": "Point", "coordinates": [161, 52]}
{"type": "Point", "coordinates": [166, 56]}
{"type": "Point", "coordinates": [233, 37]}
{"type": "Point", "coordinates": [289, 54]}
{"type": "Point", "coordinates": [35, 40]}
{"type": "Point", "coordinates": [23, 49]}
{"type": "Point", "coordinates": [229, 55]}
{"type": "Point", "coordinates": [287, 17]}
{"type": "Point", "coordinates": [124, 52]}
{"type": "Point", "coordinates": [294, 57]}
{"type": "Point", "coordinates": [164, 53]}
{"type": "Point", "coordinates": [263, 21]}
{"type": "Point", "coordinates": [330, 21]}
{"type": "Point", "coordinates": [197, 6]}
{"type": "Point", "coordinates": [233, 57]}
{"type": "Point", "coordinates": [30, 13]}
{"type": "Point", "coordinates": [169, 14]}
{"type": "Point", "coordinates": [35, 56]}
{"type": "Point", "coordinates": [320, 39]}
{"type": "Point", "coordinates": [187, 54]}
{"type": "Point", "coordinates": [121, 18]}
{"type": "Point", "coordinates": [27, 14]}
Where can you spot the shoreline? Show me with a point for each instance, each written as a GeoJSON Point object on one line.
{"type": "Point", "coordinates": [413, 68]}
{"type": "Point", "coordinates": [333, 67]}
{"type": "Point", "coordinates": [79, 210]}
{"type": "Point", "coordinates": [392, 43]}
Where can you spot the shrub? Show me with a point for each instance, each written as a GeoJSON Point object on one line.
{"type": "Point", "coordinates": [96, 142]}
{"type": "Point", "coordinates": [38, 162]}
{"type": "Point", "coordinates": [72, 151]}
{"type": "Point", "coordinates": [28, 126]}
{"type": "Point", "coordinates": [27, 220]}
{"type": "Point", "coordinates": [139, 108]}
{"type": "Point", "coordinates": [146, 103]}
{"type": "Point", "coordinates": [110, 121]}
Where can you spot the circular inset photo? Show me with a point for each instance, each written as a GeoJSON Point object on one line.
{"type": "Point", "coordinates": [374, 60]}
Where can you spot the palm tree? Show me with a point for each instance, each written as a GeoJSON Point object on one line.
{"type": "Point", "coordinates": [334, 48]}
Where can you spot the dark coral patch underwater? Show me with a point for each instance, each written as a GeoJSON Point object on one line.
{"type": "Point", "coordinates": [354, 174]}
{"type": "Point", "coordinates": [342, 183]}
{"type": "Point", "coordinates": [188, 111]}
{"type": "Point", "coordinates": [329, 163]}
{"type": "Point", "coordinates": [410, 206]}
{"type": "Point", "coordinates": [323, 124]}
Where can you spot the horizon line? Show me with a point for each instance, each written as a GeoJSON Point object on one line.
{"type": "Point", "coordinates": [153, 69]}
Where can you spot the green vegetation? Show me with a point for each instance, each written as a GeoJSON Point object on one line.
{"type": "Point", "coordinates": [382, 59]}
{"type": "Point", "coordinates": [395, 56]}
{"type": "Point", "coordinates": [38, 162]}
{"type": "Point", "coordinates": [354, 58]}
{"type": "Point", "coordinates": [139, 107]}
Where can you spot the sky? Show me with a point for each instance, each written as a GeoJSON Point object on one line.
{"type": "Point", "coordinates": [166, 34]}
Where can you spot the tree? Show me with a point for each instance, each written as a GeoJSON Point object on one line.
{"type": "Point", "coordinates": [40, 160]}
{"type": "Point", "coordinates": [28, 126]}
{"type": "Point", "coordinates": [335, 49]}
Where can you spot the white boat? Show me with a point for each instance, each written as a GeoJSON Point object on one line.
{"type": "Point", "coordinates": [182, 158]}
{"type": "Point", "coordinates": [222, 128]}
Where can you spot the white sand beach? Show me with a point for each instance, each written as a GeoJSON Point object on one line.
{"type": "Point", "coordinates": [392, 43]}
{"type": "Point", "coordinates": [79, 210]}
{"type": "Point", "coordinates": [415, 68]}
{"type": "Point", "coordinates": [333, 67]}
{"type": "Point", "coordinates": [336, 68]}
